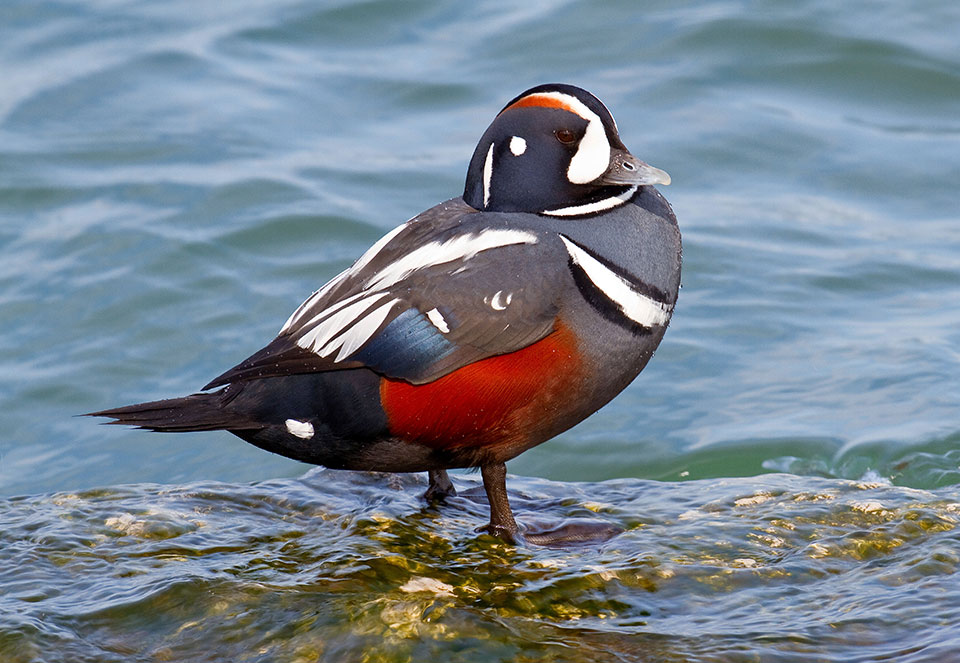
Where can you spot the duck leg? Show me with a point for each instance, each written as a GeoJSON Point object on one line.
{"type": "Point", "coordinates": [502, 523]}
{"type": "Point", "coordinates": [440, 486]}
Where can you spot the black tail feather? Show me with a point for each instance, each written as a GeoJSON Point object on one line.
{"type": "Point", "coordinates": [197, 412]}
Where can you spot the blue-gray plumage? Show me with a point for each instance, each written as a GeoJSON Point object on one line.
{"type": "Point", "coordinates": [478, 329]}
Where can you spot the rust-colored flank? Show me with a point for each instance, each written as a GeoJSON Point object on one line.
{"type": "Point", "coordinates": [496, 400]}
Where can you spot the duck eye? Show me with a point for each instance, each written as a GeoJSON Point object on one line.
{"type": "Point", "coordinates": [565, 136]}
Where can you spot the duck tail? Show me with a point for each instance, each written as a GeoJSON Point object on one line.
{"type": "Point", "coordinates": [197, 412]}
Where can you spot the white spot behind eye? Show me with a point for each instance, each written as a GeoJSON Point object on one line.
{"type": "Point", "coordinates": [518, 146]}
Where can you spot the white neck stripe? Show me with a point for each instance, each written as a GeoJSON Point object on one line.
{"type": "Point", "coordinates": [597, 206]}
{"type": "Point", "coordinates": [487, 175]}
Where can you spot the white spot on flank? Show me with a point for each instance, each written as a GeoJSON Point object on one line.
{"type": "Point", "coordinates": [487, 175]}
{"type": "Point", "coordinates": [301, 429]}
{"type": "Point", "coordinates": [438, 320]}
{"type": "Point", "coordinates": [518, 146]}
{"type": "Point", "coordinates": [598, 206]}
{"type": "Point", "coordinates": [498, 303]}
{"type": "Point", "coordinates": [638, 307]}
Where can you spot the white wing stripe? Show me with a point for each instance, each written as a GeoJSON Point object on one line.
{"type": "Point", "coordinates": [313, 299]}
{"type": "Point", "coordinates": [320, 335]}
{"type": "Point", "coordinates": [461, 247]}
{"type": "Point", "coordinates": [361, 262]}
{"type": "Point", "coordinates": [349, 323]}
{"type": "Point", "coordinates": [370, 253]}
{"type": "Point", "coordinates": [638, 307]}
{"type": "Point", "coordinates": [360, 333]}
{"type": "Point", "coordinates": [330, 310]}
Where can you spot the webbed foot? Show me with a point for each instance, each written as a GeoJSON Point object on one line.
{"type": "Point", "coordinates": [440, 486]}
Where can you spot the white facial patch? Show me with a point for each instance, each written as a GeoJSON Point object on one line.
{"type": "Point", "coordinates": [593, 155]}
{"type": "Point", "coordinates": [518, 146]}
{"type": "Point", "coordinates": [301, 429]}
{"type": "Point", "coordinates": [643, 310]}
{"type": "Point", "coordinates": [487, 175]}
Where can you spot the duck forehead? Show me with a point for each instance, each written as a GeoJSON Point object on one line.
{"type": "Point", "coordinates": [588, 109]}
{"type": "Point", "coordinates": [541, 120]}
{"type": "Point", "coordinates": [557, 100]}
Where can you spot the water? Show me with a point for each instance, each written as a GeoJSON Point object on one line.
{"type": "Point", "coordinates": [343, 567]}
{"type": "Point", "coordinates": [176, 177]}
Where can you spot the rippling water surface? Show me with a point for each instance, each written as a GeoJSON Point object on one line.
{"type": "Point", "coordinates": [176, 177]}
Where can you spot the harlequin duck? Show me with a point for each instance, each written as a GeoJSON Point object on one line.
{"type": "Point", "coordinates": [476, 330]}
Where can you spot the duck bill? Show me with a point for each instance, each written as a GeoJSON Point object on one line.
{"type": "Point", "coordinates": [626, 169]}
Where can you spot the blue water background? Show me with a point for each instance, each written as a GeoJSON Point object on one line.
{"type": "Point", "coordinates": [176, 177]}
